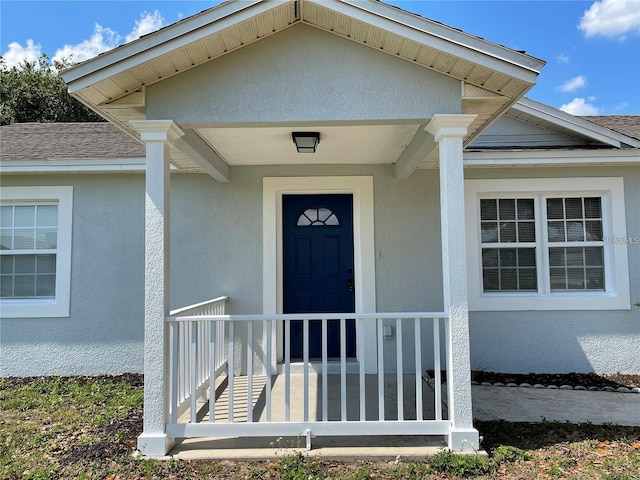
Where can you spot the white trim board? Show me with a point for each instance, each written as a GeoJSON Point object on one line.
{"type": "Point", "coordinates": [361, 187]}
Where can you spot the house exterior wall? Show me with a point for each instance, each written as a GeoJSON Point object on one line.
{"type": "Point", "coordinates": [303, 74]}
{"type": "Point", "coordinates": [217, 251]}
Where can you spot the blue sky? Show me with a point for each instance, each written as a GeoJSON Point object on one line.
{"type": "Point", "coordinates": [592, 48]}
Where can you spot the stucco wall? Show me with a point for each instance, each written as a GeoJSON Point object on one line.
{"type": "Point", "coordinates": [216, 249]}
{"type": "Point", "coordinates": [303, 74]}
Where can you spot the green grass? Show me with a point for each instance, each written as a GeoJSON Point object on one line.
{"type": "Point", "coordinates": [86, 428]}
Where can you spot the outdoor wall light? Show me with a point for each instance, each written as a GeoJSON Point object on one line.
{"type": "Point", "coordinates": [306, 142]}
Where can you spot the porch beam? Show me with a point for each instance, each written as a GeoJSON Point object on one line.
{"type": "Point", "coordinates": [449, 132]}
{"type": "Point", "coordinates": [158, 135]}
{"type": "Point", "coordinates": [192, 145]}
{"type": "Point", "coordinates": [416, 152]}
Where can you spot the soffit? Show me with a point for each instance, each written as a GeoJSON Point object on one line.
{"type": "Point", "coordinates": [339, 144]}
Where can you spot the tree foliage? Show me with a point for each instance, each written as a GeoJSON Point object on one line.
{"type": "Point", "coordinates": [35, 92]}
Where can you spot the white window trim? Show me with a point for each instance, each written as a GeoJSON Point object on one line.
{"type": "Point", "coordinates": [44, 308]}
{"type": "Point", "coordinates": [615, 297]}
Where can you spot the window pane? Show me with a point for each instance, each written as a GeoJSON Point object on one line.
{"type": "Point", "coordinates": [509, 279]}
{"type": "Point", "coordinates": [527, 279]}
{"type": "Point", "coordinates": [575, 279]}
{"type": "Point", "coordinates": [507, 232]}
{"type": "Point", "coordinates": [490, 280]}
{"type": "Point", "coordinates": [332, 221]}
{"type": "Point", "coordinates": [592, 207]}
{"type": "Point", "coordinates": [489, 232]}
{"type": "Point", "coordinates": [45, 286]}
{"type": "Point", "coordinates": [507, 208]}
{"type": "Point", "coordinates": [593, 256]}
{"type": "Point", "coordinates": [526, 257]}
{"type": "Point", "coordinates": [490, 257]}
{"type": "Point", "coordinates": [46, 238]}
{"type": "Point", "coordinates": [594, 230]}
{"type": "Point", "coordinates": [575, 232]}
{"type": "Point", "coordinates": [6, 239]}
{"type": "Point", "coordinates": [556, 257]}
{"type": "Point", "coordinates": [488, 209]}
{"type": "Point", "coordinates": [25, 286]}
{"type": "Point", "coordinates": [6, 217]}
{"type": "Point", "coordinates": [25, 216]}
{"type": "Point", "coordinates": [6, 264]}
{"type": "Point", "coordinates": [508, 257]}
{"type": "Point", "coordinates": [25, 264]}
{"type": "Point", "coordinates": [46, 264]}
{"type": "Point", "coordinates": [24, 239]}
{"type": "Point", "coordinates": [558, 279]}
{"type": "Point", "coordinates": [526, 232]}
{"type": "Point", "coordinates": [556, 231]}
{"type": "Point", "coordinates": [47, 216]}
{"type": "Point", "coordinates": [595, 279]}
{"type": "Point", "coordinates": [525, 209]}
{"type": "Point", "coordinates": [554, 209]}
{"type": "Point", "coordinates": [6, 286]}
{"type": "Point", "coordinates": [574, 256]}
{"type": "Point", "coordinates": [573, 208]}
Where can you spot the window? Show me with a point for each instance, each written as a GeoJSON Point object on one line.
{"type": "Point", "coordinates": [540, 244]}
{"type": "Point", "coordinates": [35, 251]}
{"type": "Point", "coordinates": [318, 216]}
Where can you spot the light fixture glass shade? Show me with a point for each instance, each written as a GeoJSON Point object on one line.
{"type": "Point", "coordinates": [306, 142]}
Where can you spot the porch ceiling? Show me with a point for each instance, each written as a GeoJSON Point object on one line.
{"type": "Point", "coordinates": [113, 84]}
{"type": "Point", "coordinates": [355, 144]}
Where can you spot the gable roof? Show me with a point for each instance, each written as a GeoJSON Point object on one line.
{"type": "Point", "coordinates": [113, 83]}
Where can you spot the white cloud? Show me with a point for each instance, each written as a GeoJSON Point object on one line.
{"type": "Point", "coordinates": [148, 22]}
{"type": "Point", "coordinates": [611, 18]}
{"type": "Point", "coordinates": [579, 106]}
{"type": "Point", "coordinates": [562, 58]}
{"type": "Point", "coordinates": [102, 39]}
{"type": "Point", "coordinates": [18, 54]}
{"type": "Point", "coordinates": [574, 84]}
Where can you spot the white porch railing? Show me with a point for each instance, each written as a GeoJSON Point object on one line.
{"type": "Point", "coordinates": [223, 371]}
{"type": "Point", "coordinates": [197, 354]}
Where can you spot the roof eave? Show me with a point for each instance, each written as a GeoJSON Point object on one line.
{"type": "Point", "coordinates": [578, 125]}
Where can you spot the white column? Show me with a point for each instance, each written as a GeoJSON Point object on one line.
{"type": "Point", "coordinates": [157, 136]}
{"type": "Point", "coordinates": [449, 131]}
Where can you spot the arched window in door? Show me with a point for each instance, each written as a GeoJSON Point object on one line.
{"type": "Point", "coordinates": [318, 216]}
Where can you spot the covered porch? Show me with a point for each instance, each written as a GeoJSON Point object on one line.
{"type": "Point", "coordinates": [219, 95]}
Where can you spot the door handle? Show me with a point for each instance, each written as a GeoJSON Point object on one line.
{"type": "Point", "coordinates": [351, 286]}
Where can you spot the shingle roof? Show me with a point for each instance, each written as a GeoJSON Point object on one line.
{"type": "Point", "coordinates": [628, 125]}
{"type": "Point", "coordinates": [40, 141]}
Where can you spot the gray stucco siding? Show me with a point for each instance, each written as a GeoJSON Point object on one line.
{"type": "Point", "coordinates": [303, 74]}
{"type": "Point", "coordinates": [216, 249]}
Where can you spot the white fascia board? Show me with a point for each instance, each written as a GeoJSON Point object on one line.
{"type": "Point", "coordinates": [551, 157]}
{"type": "Point", "coordinates": [112, 165]}
{"type": "Point", "coordinates": [578, 125]}
{"type": "Point", "coordinates": [163, 41]}
{"type": "Point", "coordinates": [429, 33]}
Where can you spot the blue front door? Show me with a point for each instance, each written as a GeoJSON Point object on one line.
{"type": "Point", "coordinates": [318, 274]}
